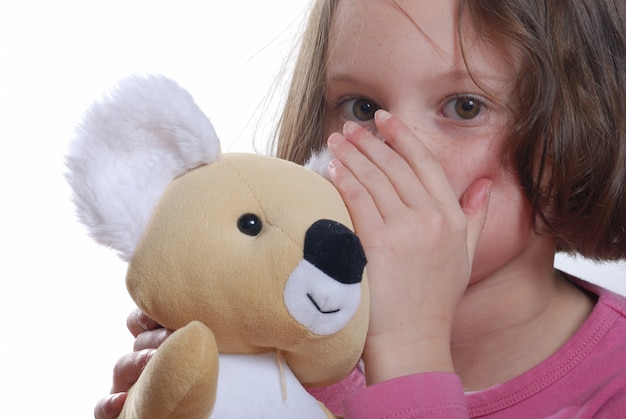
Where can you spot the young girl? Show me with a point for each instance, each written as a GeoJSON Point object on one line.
{"type": "Point", "coordinates": [503, 141]}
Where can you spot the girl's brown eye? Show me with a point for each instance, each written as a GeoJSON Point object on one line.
{"type": "Point", "coordinates": [364, 109]}
{"type": "Point", "coordinates": [467, 107]}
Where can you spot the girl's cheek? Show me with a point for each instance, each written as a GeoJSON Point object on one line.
{"type": "Point", "coordinates": [332, 124]}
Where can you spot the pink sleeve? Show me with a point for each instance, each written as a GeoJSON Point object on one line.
{"type": "Point", "coordinates": [332, 396]}
{"type": "Point", "coordinates": [432, 395]}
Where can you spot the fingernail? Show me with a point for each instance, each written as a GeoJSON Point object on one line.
{"type": "Point", "coordinates": [382, 115]}
{"type": "Point", "coordinates": [334, 138]}
{"type": "Point", "coordinates": [142, 320]}
{"type": "Point", "coordinates": [147, 353]}
{"type": "Point", "coordinates": [334, 163]}
{"type": "Point", "coordinates": [118, 399]}
{"type": "Point", "coordinates": [146, 356]}
{"type": "Point", "coordinates": [350, 126]}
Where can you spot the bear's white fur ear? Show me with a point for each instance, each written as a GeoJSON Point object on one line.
{"type": "Point", "coordinates": [319, 161]}
{"type": "Point", "coordinates": [129, 147]}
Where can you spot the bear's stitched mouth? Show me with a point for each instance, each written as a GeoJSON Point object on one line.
{"type": "Point", "coordinates": [310, 297]}
{"type": "Point", "coordinates": [323, 292]}
{"type": "Point", "coordinates": [318, 302]}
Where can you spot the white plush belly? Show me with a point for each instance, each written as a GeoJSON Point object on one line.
{"type": "Point", "coordinates": [253, 386]}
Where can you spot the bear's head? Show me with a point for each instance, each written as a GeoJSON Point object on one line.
{"type": "Point", "coordinates": [260, 250]}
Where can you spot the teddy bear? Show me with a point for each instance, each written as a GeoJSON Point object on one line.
{"type": "Point", "coordinates": [251, 260]}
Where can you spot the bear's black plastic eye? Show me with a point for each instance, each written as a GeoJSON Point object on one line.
{"type": "Point", "coordinates": [250, 224]}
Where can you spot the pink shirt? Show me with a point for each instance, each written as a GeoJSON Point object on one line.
{"type": "Point", "coordinates": [586, 378]}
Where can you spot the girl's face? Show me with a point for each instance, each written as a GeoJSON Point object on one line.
{"type": "Point", "coordinates": [405, 57]}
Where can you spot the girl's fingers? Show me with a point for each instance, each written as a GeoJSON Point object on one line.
{"type": "Point", "coordinates": [377, 169]}
{"type": "Point", "coordinates": [347, 172]}
{"type": "Point", "coordinates": [151, 339]}
{"type": "Point", "coordinates": [110, 407]}
{"type": "Point", "coordinates": [400, 171]}
{"type": "Point", "coordinates": [148, 333]}
{"type": "Point", "coordinates": [418, 158]}
{"type": "Point", "coordinates": [393, 167]}
{"type": "Point", "coordinates": [137, 322]}
{"type": "Point", "coordinates": [128, 369]}
{"type": "Point", "coordinates": [475, 204]}
{"type": "Point", "coordinates": [391, 181]}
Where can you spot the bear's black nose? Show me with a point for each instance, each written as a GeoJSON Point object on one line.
{"type": "Point", "coordinates": [335, 250]}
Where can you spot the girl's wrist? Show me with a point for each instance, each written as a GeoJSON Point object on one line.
{"type": "Point", "coordinates": [388, 360]}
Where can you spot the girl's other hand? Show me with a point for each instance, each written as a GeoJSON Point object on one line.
{"type": "Point", "coordinates": [419, 239]}
{"type": "Point", "coordinates": [149, 335]}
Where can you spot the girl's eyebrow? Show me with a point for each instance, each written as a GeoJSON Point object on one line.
{"type": "Point", "coordinates": [475, 76]}
{"type": "Point", "coordinates": [458, 75]}
{"type": "Point", "coordinates": [455, 75]}
{"type": "Point", "coordinates": [342, 77]}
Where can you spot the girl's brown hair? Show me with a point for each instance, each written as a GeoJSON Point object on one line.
{"type": "Point", "coordinates": [301, 124]}
{"type": "Point", "coordinates": [568, 139]}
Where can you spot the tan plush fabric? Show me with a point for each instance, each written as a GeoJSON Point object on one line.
{"type": "Point", "coordinates": [193, 263]}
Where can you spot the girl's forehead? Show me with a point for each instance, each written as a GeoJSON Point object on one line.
{"type": "Point", "coordinates": [431, 18]}
{"type": "Point", "coordinates": [397, 26]}
{"type": "Point", "coordinates": [409, 33]}
{"type": "Point", "coordinates": [391, 47]}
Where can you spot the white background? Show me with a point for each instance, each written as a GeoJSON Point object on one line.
{"type": "Point", "coordinates": [63, 302]}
